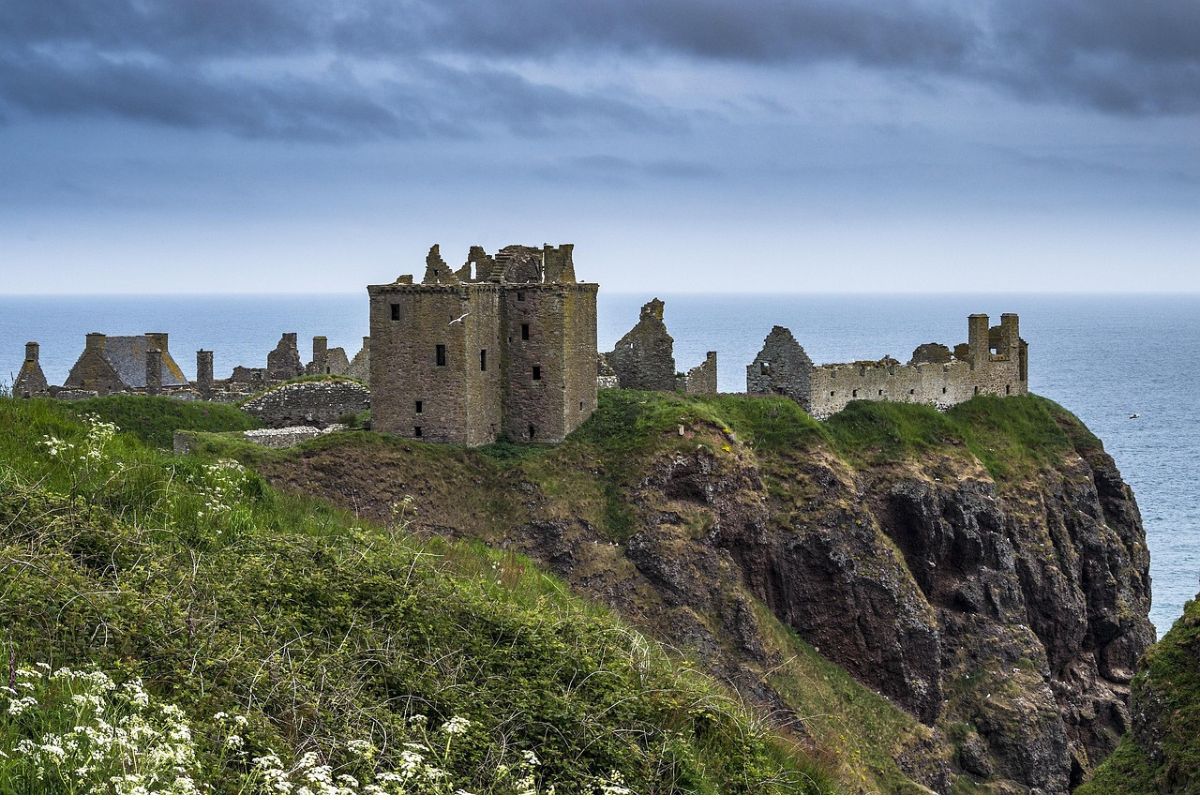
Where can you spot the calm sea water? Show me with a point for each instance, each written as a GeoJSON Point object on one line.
{"type": "Point", "coordinates": [1104, 358]}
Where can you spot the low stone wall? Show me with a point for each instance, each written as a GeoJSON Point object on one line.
{"type": "Point", "coordinates": [318, 403]}
{"type": "Point", "coordinates": [287, 437]}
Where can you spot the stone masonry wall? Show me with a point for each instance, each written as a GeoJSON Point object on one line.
{"type": "Point", "coordinates": [781, 367]}
{"type": "Point", "coordinates": [644, 358]}
{"type": "Point", "coordinates": [701, 379]}
{"type": "Point", "coordinates": [317, 403]}
{"type": "Point", "coordinates": [283, 363]}
{"type": "Point", "coordinates": [31, 381]}
{"type": "Point", "coordinates": [938, 384]}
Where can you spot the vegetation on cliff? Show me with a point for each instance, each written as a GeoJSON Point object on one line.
{"type": "Point", "coordinates": [262, 642]}
{"type": "Point", "coordinates": [1161, 754]}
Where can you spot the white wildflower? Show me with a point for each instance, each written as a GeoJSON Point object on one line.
{"type": "Point", "coordinates": [456, 725]}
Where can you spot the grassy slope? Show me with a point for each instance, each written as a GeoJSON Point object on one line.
{"type": "Point", "coordinates": [155, 419]}
{"type": "Point", "coordinates": [1170, 673]}
{"type": "Point", "coordinates": [322, 629]}
{"type": "Point", "coordinates": [859, 732]}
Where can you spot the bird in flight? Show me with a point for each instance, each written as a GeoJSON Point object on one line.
{"type": "Point", "coordinates": [460, 319]}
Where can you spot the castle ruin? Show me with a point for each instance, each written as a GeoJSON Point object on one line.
{"type": "Point", "coordinates": [993, 361]}
{"type": "Point", "coordinates": [502, 347]}
{"type": "Point", "coordinates": [644, 358]}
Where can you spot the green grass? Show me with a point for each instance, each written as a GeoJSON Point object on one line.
{"type": "Point", "coordinates": [225, 595]}
{"type": "Point", "coordinates": [1166, 693]}
{"type": "Point", "coordinates": [301, 379]}
{"type": "Point", "coordinates": [156, 419]}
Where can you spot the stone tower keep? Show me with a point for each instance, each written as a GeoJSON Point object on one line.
{"type": "Point", "coordinates": [502, 347]}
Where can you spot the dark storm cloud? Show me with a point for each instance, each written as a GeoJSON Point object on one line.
{"type": "Point", "coordinates": [253, 67]}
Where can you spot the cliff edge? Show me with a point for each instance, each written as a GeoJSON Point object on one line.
{"type": "Point", "coordinates": [984, 570]}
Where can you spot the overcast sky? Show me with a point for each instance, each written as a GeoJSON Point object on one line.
{"type": "Point", "coordinates": [756, 145]}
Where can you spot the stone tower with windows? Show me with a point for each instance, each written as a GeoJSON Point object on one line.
{"type": "Point", "coordinates": [502, 347]}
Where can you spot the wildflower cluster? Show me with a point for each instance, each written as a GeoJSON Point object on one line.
{"type": "Point", "coordinates": [88, 453]}
{"type": "Point", "coordinates": [219, 486]}
{"type": "Point", "coordinates": [76, 731]}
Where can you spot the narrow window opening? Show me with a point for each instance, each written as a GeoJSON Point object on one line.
{"type": "Point", "coordinates": [1008, 388]}
{"type": "Point", "coordinates": [976, 390]}
{"type": "Point", "coordinates": [854, 393]}
{"type": "Point", "coordinates": [532, 432]}
{"type": "Point", "coordinates": [581, 405]}
{"type": "Point", "coordinates": [441, 355]}
{"type": "Point", "coordinates": [765, 369]}
{"type": "Point", "coordinates": [831, 394]}
{"type": "Point", "coordinates": [912, 391]}
{"type": "Point", "coordinates": [525, 331]}
{"type": "Point", "coordinates": [483, 360]}
{"type": "Point", "coordinates": [520, 296]}
{"type": "Point", "coordinates": [395, 312]}
{"type": "Point", "coordinates": [417, 432]}
{"type": "Point", "coordinates": [881, 392]}
{"type": "Point", "coordinates": [943, 390]}
{"type": "Point", "coordinates": [537, 373]}
{"type": "Point", "coordinates": [420, 407]}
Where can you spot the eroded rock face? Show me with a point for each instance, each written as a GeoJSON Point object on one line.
{"type": "Point", "coordinates": [1007, 615]}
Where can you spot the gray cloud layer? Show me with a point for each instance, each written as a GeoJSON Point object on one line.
{"type": "Point", "coordinates": [308, 70]}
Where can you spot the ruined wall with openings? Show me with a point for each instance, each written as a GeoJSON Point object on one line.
{"type": "Point", "coordinates": [996, 364]}
{"type": "Point", "coordinates": [781, 367]}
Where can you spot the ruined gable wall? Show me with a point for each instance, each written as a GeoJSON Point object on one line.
{"type": "Point", "coordinates": [403, 362]}
{"type": "Point", "coordinates": [644, 358]}
{"type": "Point", "coordinates": [31, 381]}
{"type": "Point", "coordinates": [701, 379]}
{"type": "Point", "coordinates": [92, 373]}
{"type": "Point", "coordinates": [781, 367]}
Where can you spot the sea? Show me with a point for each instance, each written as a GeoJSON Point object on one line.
{"type": "Point", "coordinates": [1121, 363]}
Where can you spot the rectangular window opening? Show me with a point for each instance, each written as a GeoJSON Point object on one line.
{"type": "Point", "coordinates": [441, 355]}
{"type": "Point", "coordinates": [395, 312]}
{"type": "Point", "coordinates": [537, 373]}
{"type": "Point", "coordinates": [520, 296]}
{"type": "Point", "coordinates": [483, 360]}
{"type": "Point", "coordinates": [420, 407]}
{"type": "Point", "coordinates": [525, 331]}
{"type": "Point", "coordinates": [417, 432]}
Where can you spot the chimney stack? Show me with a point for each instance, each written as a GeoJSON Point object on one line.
{"type": "Point", "coordinates": [94, 341]}
{"type": "Point", "coordinates": [204, 373]}
{"type": "Point", "coordinates": [154, 370]}
{"type": "Point", "coordinates": [32, 351]}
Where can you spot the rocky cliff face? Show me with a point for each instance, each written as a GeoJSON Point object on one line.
{"type": "Point", "coordinates": [1003, 606]}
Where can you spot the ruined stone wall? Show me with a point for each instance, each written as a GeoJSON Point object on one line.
{"type": "Point", "coordinates": [938, 384]}
{"type": "Point", "coordinates": [781, 367]}
{"type": "Point", "coordinates": [701, 379]}
{"type": "Point", "coordinates": [283, 363]}
{"type": "Point", "coordinates": [644, 358]}
{"type": "Point", "coordinates": [483, 364]}
{"type": "Point", "coordinates": [317, 403]}
{"type": "Point", "coordinates": [360, 367]}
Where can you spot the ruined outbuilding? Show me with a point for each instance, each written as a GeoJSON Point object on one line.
{"type": "Point", "coordinates": [502, 347]}
{"type": "Point", "coordinates": [283, 363]}
{"type": "Point", "coordinates": [644, 358]}
{"type": "Point", "coordinates": [111, 364]}
{"type": "Point", "coordinates": [993, 361]}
